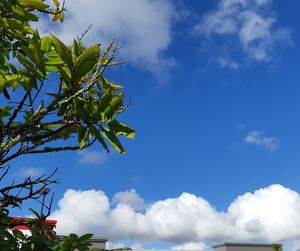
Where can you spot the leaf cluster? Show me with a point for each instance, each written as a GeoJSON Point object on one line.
{"type": "Point", "coordinates": [42, 235]}
{"type": "Point", "coordinates": [55, 97]}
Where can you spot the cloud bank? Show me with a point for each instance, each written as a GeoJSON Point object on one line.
{"type": "Point", "coordinates": [143, 27]}
{"type": "Point", "coordinates": [268, 214]}
{"type": "Point", "coordinates": [250, 22]}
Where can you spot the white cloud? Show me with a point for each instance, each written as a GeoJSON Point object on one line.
{"type": "Point", "coordinates": [130, 198]}
{"type": "Point", "coordinates": [114, 245]}
{"type": "Point", "coordinates": [82, 211]}
{"type": "Point", "coordinates": [143, 27]}
{"type": "Point", "coordinates": [92, 157]}
{"type": "Point", "coordinates": [191, 246]}
{"type": "Point", "coordinates": [30, 171]}
{"type": "Point", "coordinates": [251, 22]}
{"type": "Point", "coordinates": [256, 137]}
{"type": "Point", "coordinates": [227, 62]}
{"type": "Point", "coordinates": [269, 214]}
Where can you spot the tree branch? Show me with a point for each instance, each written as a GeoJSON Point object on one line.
{"type": "Point", "coordinates": [15, 113]}
{"type": "Point", "coordinates": [54, 149]}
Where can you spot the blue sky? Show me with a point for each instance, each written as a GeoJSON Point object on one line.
{"type": "Point", "coordinates": [215, 102]}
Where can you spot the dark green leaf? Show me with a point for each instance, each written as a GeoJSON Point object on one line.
{"type": "Point", "coordinates": [112, 138]}
{"type": "Point", "coordinates": [121, 129]}
{"type": "Point", "coordinates": [98, 136]}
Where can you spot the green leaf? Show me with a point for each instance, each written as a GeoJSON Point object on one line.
{"type": "Point", "coordinates": [104, 101]}
{"type": "Point", "coordinates": [112, 138]}
{"type": "Point", "coordinates": [82, 144]}
{"type": "Point", "coordinates": [86, 62]}
{"type": "Point", "coordinates": [13, 81]}
{"type": "Point", "coordinates": [23, 15]}
{"type": "Point", "coordinates": [28, 52]}
{"type": "Point", "coordinates": [51, 68]}
{"type": "Point", "coordinates": [121, 129]}
{"type": "Point", "coordinates": [62, 50]}
{"type": "Point", "coordinates": [19, 234]}
{"type": "Point", "coordinates": [85, 237]}
{"type": "Point", "coordinates": [53, 59]}
{"type": "Point", "coordinates": [46, 44]}
{"type": "Point", "coordinates": [100, 139]}
{"type": "Point", "coordinates": [64, 73]}
{"type": "Point", "coordinates": [5, 110]}
{"type": "Point", "coordinates": [113, 107]}
{"type": "Point", "coordinates": [13, 68]}
{"type": "Point", "coordinates": [56, 3]}
{"type": "Point", "coordinates": [8, 23]}
{"type": "Point", "coordinates": [61, 16]}
{"type": "Point", "coordinates": [3, 82]}
{"type": "Point", "coordinates": [35, 46]}
{"type": "Point", "coordinates": [116, 87]}
{"type": "Point", "coordinates": [26, 62]}
{"type": "Point", "coordinates": [81, 131]}
{"type": "Point", "coordinates": [34, 4]}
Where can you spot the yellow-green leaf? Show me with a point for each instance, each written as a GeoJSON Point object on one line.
{"type": "Point", "coordinates": [86, 62]}
{"type": "Point", "coordinates": [8, 23]}
{"type": "Point", "coordinates": [34, 4]}
{"type": "Point", "coordinates": [13, 81]}
{"type": "Point", "coordinates": [61, 16]}
{"type": "Point", "coordinates": [81, 132]}
{"type": "Point", "coordinates": [113, 107]}
{"type": "Point", "coordinates": [121, 129]}
{"type": "Point", "coordinates": [2, 83]}
{"type": "Point", "coordinates": [23, 15]}
{"type": "Point", "coordinates": [62, 50]}
{"type": "Point", "coordinates": [116, 87]}
{"type": "Point", "coordinates": [46, 44]}
{"type": "Point", "coordinates": [55, 17]}
{"type": "Point", "coordinates": [56, 3]}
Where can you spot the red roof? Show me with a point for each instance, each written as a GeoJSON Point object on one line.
{"type": "Point", "coordinates": [50, 223]}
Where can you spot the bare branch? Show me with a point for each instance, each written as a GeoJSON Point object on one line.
{"type": "Point", "coordinates": [84, 33]}
{"type": "Point", "coordinates": [15, 113]}
{"type": "Point", "coordinates": [54, 149]}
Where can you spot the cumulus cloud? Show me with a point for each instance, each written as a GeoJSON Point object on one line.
{"type": "Point", "coordinates": [143, 27]}
{"type": "Point", "coordinates": [30, 171]}
{"type": "Point", "coordinates": [251, 22]}
{"type": "Point", "coordinates": [82, 211]}
{"type": "Point", "coordinates": [191, 246]}
{"type": "Point", "coordinates": [92, 157]}
{"type": "Point", "coordinates": [130, 198]}
{"type": "Point", "coordinates": [257, 138]}
{"type": "Point", "coordinates": [269, 214]}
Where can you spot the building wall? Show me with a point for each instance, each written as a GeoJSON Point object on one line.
{"type": "Point", "coordinates": [243, 247]}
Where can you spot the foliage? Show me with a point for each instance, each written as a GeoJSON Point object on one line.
{"type": "Point", "coordinates": [42, 237]}
{"type": "Point", "coordinates": [55, 97]}
{"type": "Point", "coordinates": [54, 92]}
{"type": "Point", "coordinates": [277, 247]}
